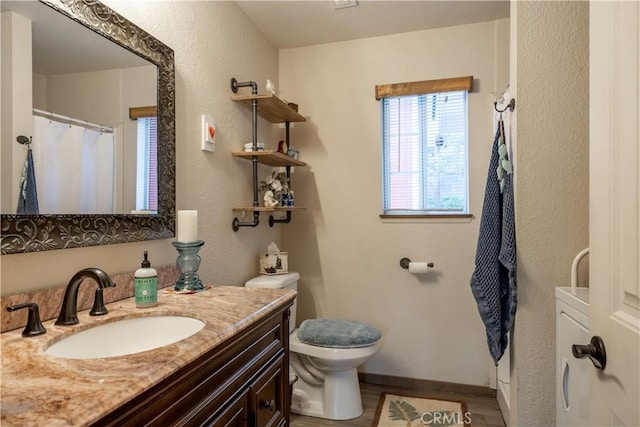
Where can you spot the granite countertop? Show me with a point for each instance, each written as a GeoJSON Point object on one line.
{"type": "Point", "coordinates": [37, 389]}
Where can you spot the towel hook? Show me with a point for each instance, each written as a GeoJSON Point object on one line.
{"type": "Point", "coordinates": [510, 106]}
{"type": "Point", "coordinates": [24, 140]}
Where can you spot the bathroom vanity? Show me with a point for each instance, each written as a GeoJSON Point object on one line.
{"type": "Point", "coordinates": [234, 372]}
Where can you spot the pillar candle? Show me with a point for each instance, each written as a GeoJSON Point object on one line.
{"type": "Point", "coordinates": [187, 226]}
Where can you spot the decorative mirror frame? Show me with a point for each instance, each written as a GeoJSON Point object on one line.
{"type": "Point", "coordinates": [34, 233]}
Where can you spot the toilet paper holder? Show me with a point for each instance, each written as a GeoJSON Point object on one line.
{"type": "Point", "coordinates": [404, 263]}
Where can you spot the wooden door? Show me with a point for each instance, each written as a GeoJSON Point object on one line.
{"type": "Point", "coordinates": [614, 210]}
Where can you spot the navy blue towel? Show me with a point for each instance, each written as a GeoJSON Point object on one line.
{"type": "Point", "coordinates": [494, 279]}
{"type": "Point", "coordinates": [28, 198]}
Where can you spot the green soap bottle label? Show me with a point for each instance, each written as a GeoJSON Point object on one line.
{"type": "Point", "coordinates": [146, 291]}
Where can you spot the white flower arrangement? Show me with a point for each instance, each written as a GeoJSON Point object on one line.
{"type": "Point", "coordinates": [275, 183]}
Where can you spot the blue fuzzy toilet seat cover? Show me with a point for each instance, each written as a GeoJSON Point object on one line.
{"type": "Point", "coordinates": [337, 333]}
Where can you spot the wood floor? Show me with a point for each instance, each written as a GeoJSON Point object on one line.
{"type": "Point", "coordinates": [484, 411]}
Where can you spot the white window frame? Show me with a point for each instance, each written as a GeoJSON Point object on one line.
{"type": "Point", "coordinates": [391, 92]}
{"type": "Point", "coordinates": [146, 154]}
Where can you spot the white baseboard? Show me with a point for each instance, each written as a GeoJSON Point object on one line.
{"type": "Point", "coordinates": [502, 395]}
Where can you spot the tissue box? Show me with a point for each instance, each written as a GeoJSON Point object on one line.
{"type": "Point", "coordinates": [276, 263]}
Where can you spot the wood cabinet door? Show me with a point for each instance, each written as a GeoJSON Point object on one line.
{"type": "Point", "coordinates": [267, 395]}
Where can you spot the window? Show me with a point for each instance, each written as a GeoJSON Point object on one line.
{"type": "Point", "coordinates": [425, 148]}
{"type": "Point", "coordinates": [147, 165]}
{"type": "Point", "coordinates": [146, 157]}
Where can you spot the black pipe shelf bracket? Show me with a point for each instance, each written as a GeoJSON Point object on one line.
{"type": "Point", "coordinates": [235, 84]}
{"type": "Point", "coordinates": [275, 111]}
{"type": "Point", "coordinates": [236, 224]}
{"type": "Point", "coordinates": [285, 220]}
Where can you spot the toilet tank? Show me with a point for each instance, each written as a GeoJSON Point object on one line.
{"type": "Point", "coordinates": [278, 281]}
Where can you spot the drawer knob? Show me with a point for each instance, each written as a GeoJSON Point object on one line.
{"type": "Point", "coordinates": [268, 404]}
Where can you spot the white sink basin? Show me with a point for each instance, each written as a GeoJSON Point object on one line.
{"type": "Point", "coordinates": [126, 336]}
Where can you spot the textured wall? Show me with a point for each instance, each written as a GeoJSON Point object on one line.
{"type": "Point", "coordinates": [552, 182]}
{"type": "Point", "coordinates": [16, 100]}
{"type": "Point", "coordinates": [347, 257]}
{"type": "Point", "coordinates": [213, 41]}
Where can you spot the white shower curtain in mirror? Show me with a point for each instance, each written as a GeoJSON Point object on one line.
{"type": "Point", "coordinates": [74, 168]}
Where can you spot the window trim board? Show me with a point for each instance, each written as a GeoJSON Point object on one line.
{"type": "Point", "coordinates": [425, 87]}
{"type": "Point", "coordinates": [138, 112]}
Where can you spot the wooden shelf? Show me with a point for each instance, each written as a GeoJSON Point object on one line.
{"type": "Point", "coordinates": [274, 110]}
{"type": "Point", "coordinates": [271, 108]}
{"type": "Point", "coordinates": [270, 158]}
{"type": "Point", "coordinates": [266, 209]}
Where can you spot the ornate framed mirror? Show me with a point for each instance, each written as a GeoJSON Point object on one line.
{"type": "Point", "coordinates": [42, 232]}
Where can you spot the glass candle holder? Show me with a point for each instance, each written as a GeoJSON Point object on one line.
{"type": "Point", "coordinates": [188, 262]}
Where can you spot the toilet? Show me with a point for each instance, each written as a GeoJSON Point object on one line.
{"type": "Point", "coordinates": [324, 355]}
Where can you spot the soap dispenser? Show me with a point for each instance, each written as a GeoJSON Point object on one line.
{"type": "Point", "coordinates": [146, 284]}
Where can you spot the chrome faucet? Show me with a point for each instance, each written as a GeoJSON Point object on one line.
{"type": "Point", "coordinates": [69, 311]}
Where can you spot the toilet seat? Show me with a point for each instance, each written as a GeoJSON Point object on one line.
{"type": "Point", "coordinates": [337, 333]}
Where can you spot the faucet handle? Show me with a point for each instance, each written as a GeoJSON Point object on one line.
{"type": "Point", "coordinates": [99, 308]}
{"type": "Point", "coordinates": [34, 325]}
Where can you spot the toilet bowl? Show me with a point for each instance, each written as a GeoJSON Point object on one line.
{"type": "Point", "coordinates": [328, 379]}
{"type": "Point", "coordinates": [324, 354]}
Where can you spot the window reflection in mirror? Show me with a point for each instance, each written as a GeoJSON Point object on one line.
{"type": "Point", "coordinates": [72, 92]}
{"type": "Point", "coordinates": [146, 158]}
